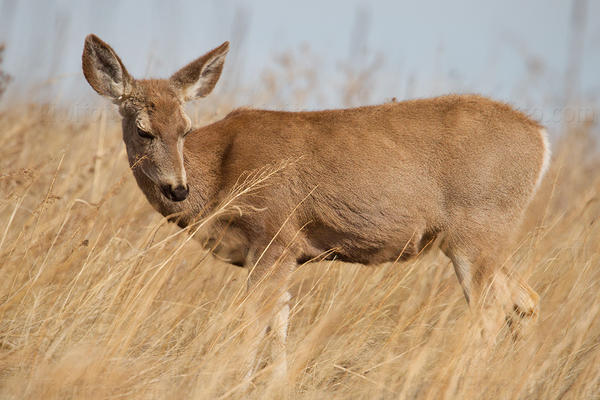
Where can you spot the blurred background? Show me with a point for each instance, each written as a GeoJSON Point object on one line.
{"type": "Point", "coordinates": [543, 56]}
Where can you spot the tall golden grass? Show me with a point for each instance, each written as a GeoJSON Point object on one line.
{"type": "Point", "coordinates": [101, 298]}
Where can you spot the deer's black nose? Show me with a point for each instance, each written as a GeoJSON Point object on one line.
{"type": "Point", "coordinates": [177, 193]}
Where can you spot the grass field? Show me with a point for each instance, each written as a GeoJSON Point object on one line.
{"type": "Point", "coordinates": [100, 297]}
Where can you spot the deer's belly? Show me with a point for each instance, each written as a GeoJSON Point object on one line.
{"type": "Point", "coordinates": [375, 248]}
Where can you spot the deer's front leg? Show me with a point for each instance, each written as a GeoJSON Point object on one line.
{"type": "Point", "coordinates": [268, 305]}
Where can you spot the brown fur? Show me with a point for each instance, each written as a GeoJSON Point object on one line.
{"type": "Point", "coordinates": [368, 185]}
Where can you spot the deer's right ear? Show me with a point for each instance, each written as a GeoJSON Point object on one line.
{"type": "Point", "coordinates": [104, 70]}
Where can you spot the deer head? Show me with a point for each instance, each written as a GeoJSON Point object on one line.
{"type": "Point", "coordinates": [154, 121]}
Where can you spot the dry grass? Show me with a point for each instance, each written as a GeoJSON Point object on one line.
{"type": "Point", "coordinates": [101, 298]}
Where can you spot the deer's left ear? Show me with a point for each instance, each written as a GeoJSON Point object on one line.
{"type": "Point", "coordinates": [198, 78]}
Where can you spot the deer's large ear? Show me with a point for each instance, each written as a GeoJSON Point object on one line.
{"type": "Point", "coordinates": [104, 70]}
{"type": "Point", "coordinates": [198, 78]}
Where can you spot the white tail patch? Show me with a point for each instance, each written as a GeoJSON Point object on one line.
{"type": "Point", "coordinates": [546, 158]}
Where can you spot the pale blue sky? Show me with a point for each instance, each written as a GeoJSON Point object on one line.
{"type": "Point", "coordinates": [428, 47]}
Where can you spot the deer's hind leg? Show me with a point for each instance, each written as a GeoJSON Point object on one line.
{"type": "Point", "coordinates": [497, 294]}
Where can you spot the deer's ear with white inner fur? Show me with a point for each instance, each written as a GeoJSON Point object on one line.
{"type": "Point", "coordinates": [198, 78]}
{"type": "Point", "coordinates": [104, 70]}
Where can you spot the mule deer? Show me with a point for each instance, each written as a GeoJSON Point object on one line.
{"type": "Point", "coordinates": [373, 184]}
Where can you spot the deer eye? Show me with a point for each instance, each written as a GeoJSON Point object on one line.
{"type": "Point", "coordinates": [144, 134]}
